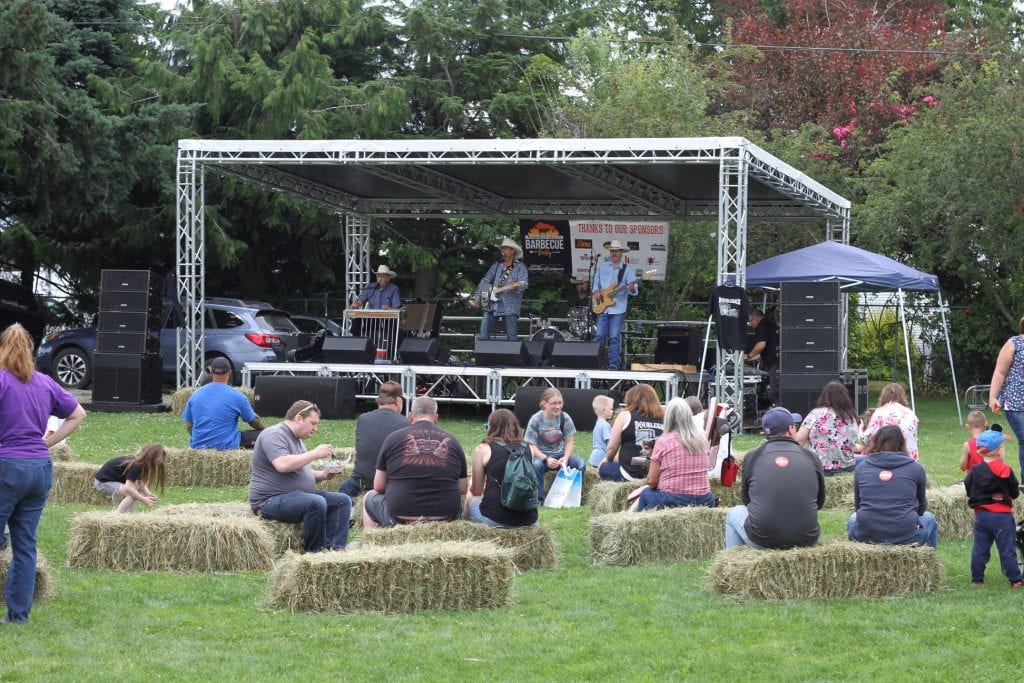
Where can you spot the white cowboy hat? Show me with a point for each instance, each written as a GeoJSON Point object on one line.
{"type": "Point", "coordinates": [384, 270]}
{"type": "Point", "coordinates": [580, 280]}
{"type": "Point", "coordinates": [615, 245]}
{"type": "Point", "coordinates": [510, 243]}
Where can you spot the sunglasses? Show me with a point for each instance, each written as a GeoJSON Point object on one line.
{"type": "Point", "coordinates": [311, 406]}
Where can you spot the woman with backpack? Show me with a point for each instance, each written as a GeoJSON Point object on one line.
{"type": "Point", "coordinates": [488, 496]}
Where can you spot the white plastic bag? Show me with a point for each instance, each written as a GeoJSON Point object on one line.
{"type": "Point", "coordinates": [566, 490]}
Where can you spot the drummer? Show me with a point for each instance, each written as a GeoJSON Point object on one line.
{"type": "Point", "coordinates": [579, 295]}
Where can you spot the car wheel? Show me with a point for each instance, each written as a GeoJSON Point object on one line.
{"type": "Point", "coordinates": [72, 368]}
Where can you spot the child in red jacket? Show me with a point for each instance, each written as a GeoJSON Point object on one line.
{"type": "Point", "coordinates": [991, 487]}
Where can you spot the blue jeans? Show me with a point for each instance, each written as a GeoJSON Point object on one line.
{"type": "Point", "coordinates": [352, 487]}
{"type": "Point", "coordinates": [653, 498]}
{"type": "Point", "coordinates": [511, 325]}
{"type": "Point", "coordinates": [541, 468]}
{"type": "Point", "coordinates": [609, 326]}
{"type": "Point", "coordinates": [927, 533]}
{"type": "Point", "coordinates": [999, 527]}
{"type": "Point", "coordinates": [735, 534]}
{"type": "Point", "coordinates": [24, 486]}
{"type": "Point", "coordinates": [324, 516]}
{"type": "Point", "coordinates": [610, 471]}
{"type": "Point", "coordinates": [1016, 420]}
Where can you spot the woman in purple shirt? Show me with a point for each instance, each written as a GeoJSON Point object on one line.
{"type": "Point", "coordinates": [27, 399]}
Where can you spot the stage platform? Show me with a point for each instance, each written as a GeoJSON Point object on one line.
{"type": "Point", "coordinates": [470, 384]}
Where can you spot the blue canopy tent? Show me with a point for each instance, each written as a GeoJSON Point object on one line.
{"type": "Point", "coordinates": [857, 270]}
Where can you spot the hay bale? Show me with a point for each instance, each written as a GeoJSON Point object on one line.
{"type": "Point", "coordinates": [285, 536]}
{"type": "Point", "coordinates": [668, 535]}
{"type": "Point", "coordinates": [345, 453]}
{"type": "Point", "coordinates": [401, 578]}
{"type": "Point", "coordinates": [835, 569]}
{"type": "Point", "coordinates": [728, 496]}
{"type": "Point", "coordinates": [610, 496]}
{"type": "Point", "coordinates": [208, 467]}
{"type": "Point", "coordinates": [839, 491]}
{"type": "Point", "coordinates": [45, 588]}
{"type": "Point", "coordinates": [954, 517]}
{"type": "Point", "coordinates": [590, 480]}
{"type": "Point", "coordinates": [532, 547]}
{"type": "Point", "coordinates": [179, 399]}
{"type": "Point", "coordinates": [73, 483]}
{"type": "Point", "coordinates": [61, 452]}
{"type": "Point", "coordinates": [178, 543]}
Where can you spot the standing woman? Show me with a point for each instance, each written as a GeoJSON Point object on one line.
{"type": "Point", "coordinates": [679, 464]}
{"type": "Point", "coordinates": [640, 421]}
{"type": "Point", "coordinates": [1006, 392]}
{"type": "Point", "coordinates": [27, 399]}
{"type": "Point", "coordinates": [831, 429]}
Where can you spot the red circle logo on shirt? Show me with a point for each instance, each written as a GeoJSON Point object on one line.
{"type": "Point", "coordinates": [782, 461]}
{"type": "Point", "coordinates": [885, 475]}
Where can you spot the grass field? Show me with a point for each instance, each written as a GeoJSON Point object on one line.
{"type": "Point", "coordinates": [577, 622]}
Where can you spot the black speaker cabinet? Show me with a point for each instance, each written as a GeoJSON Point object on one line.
{"type": "Point", "coordinates": [583, 355]}
{"type": "Point", "coordinates": [502, 353]}
{"type": "Point", "coordinates": [806, 381]}
{"type": "Point", "coordinates": [128, 281]}
{"type": "Point", "coordinates": [334, 396]}
{"type": "Point", "coordinates": [127, 342]}
{"type": "Point", "coordinates": [809, 293]}
{"type": "Point", "coordinates": [809, 339]}
{"type": "Point", "coordinates": [810, 315]}
{"type": "Point", "coordinates": [539, 352]}
{"type": "Point", "coordinates": [413, 351]}
{"type": "Point", "coordinates": [578, 403]}
{"type": "Point", "coordinates": [349, 350]}
{"type": "Point", "coordinates": [809, 361]}
{"type": "Point", "coordinates": [797, 401]}
{"type": "Point", "coordinates": [127, 321]}
{"type": "Point", "coordinates": [126, 378]}
{"type": "Point", "coordinates": [116, 300]}
{"type": "Point", "coordinates": [678, 345]}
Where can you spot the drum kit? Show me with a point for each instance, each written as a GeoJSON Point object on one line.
{"type": "Point", "coordinates": [581, 328]}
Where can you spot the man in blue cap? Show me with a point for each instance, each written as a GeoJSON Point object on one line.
{"type": "Point", "coordinates": [783, 488]}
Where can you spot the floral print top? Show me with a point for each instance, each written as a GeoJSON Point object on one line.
{"type": "Point", "coordinates": [1012, 395]}
{"type": "Point", "coordinates": [831, 437]}
{"type": "Point", "coordinates": [894, 413]}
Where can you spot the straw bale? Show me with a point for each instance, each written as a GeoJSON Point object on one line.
{"type": "Point", "coordinates": [284, 536]}
{"type": "Point", "coordinates": [610, 496]}
{"type": "Point", "coordinates": [590, 480]}
{"type": "Point", "coordinates": [45, 588]}
{"type": "Point", "coordinates": [839, 491]}
{"type": "Point", "coordinates": [208, 467]}
{"type": "Point", "coordinates": [61, 452]}
{"type": "Point", "coordinates": [954, 517]}
{"type": "Point", "coordinates": [834, 569]}
{"type": "Point", "coordinates": [450, 575]}
{"type": "Point", "coordinates": [73, 483]}
{"type": "Point", "coordinates": [182, 543]}
{"type": "Point", "coordinates": [179, 399]}
{"type": "Point", "coordinates": [532, 547]}
{"type": "Point", "coordinates": [727, 496]}
{"type": "Point", "coordinates": [667, 535]}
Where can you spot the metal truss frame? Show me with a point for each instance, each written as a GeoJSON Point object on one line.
{"type": "Point", "coordinates": [357, 256]}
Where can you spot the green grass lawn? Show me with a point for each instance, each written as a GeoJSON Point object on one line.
{"type": "Point", "coordinates": [577, 622]}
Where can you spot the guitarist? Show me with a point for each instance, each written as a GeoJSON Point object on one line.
{"type": "Point", "coordinates": [500, 291]}
{"type": "Point", "coordinates": [613, 273]}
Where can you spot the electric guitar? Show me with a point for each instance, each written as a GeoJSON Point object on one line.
{"type": "Point", "coordinates": [493, 292]}
{"type": "Point", "coordinates": [603, 298]}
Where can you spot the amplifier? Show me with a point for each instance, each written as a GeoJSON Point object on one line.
{"type": "Point", "coordinates": [679, 345]}
{"type": "Point", "coordinates": [809, 361]}
{"type": "Point", "coordinates": [809, 315]}
{"type": "Point", "coordinates": [127, 342]}
{"type": "Point", "coordinates": [809, 293]}
{"type": "Point", "coordinates": [809, 339]}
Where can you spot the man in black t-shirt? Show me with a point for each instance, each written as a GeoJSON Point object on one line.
{"type": "Point", "coordinates": [421, 473]}
{"type": "Point", "coordinates": [371, 430]}
{"type": "Point", "coordinates": [766, 340]}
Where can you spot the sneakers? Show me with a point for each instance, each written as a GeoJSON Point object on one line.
{"type": "Point", "coordinates": [977, 583]}
{"type": "Point", "coordinates": [1017, 584]}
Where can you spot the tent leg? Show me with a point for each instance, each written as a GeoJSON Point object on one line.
{"type": "Point", "coordinates": [707, 340]}
{"type": "Point", "coordinates": [949, 354]}
{"type": "Point", "coordinates": [906, 350]}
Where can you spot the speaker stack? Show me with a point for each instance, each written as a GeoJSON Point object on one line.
{"type": "Point", "coordinates": [127, 364]}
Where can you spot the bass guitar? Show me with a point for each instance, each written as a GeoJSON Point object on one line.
{"type": "Point", "coordinates": [603, 298]}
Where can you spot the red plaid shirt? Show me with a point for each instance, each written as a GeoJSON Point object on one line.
{"type": "Point", "coordinates": [681, 471]}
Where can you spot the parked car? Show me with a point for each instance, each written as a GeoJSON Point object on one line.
{"type": "Point", "coordinates": [241, 331]}
{"type": "Point", "coordinates": [311, 324]}
{"type": "Point", "coordinates": [19, 305]}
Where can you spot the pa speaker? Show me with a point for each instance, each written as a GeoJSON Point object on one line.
{"type": "Point", "coordinates": [127, 342]}
{"type": "Point", "coordinates": [500, 353]}
{"type": "Point", "coordinates": [678, 345]}
{"type": "Point", "coordinates": [334, 396]}
{"type": "Point", "coordinates": [583, 355]}
{"type": "Point", "coordinates": [577, 403]}
{"type": "Point", "coordinates": [126, 378]}
{"type": "Point", "coordinates": [413, 351]}
{"type": "Point", "coordinates": [129, 281]}
{"type": "Point", "coordinates": [349, 350]}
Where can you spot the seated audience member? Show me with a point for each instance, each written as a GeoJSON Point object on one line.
{"type": "Point", "coordinates": [128, 476]}
{"type": "Point", "coordinates": [549, 434]}
{"type": "Point", "coordinates": [682, 456]}
{"type": "Point", "coordinates": [371, 430]}
{"type": "Point", "coordinates": [421, 473]}
{"type": "Point", "coordinates": [283, 486]}
{"type": "Point", "coordinates": [889, 496]}
{"type": "Point", "coordinates": [489, 458]}
{"type": "Point", "coordinates": [212, 412]}
{"type": "Point", "coordinates": [894, 409]}
{"type": "Point", "coordinates": [603, 407]}
{"type": "Point", "coordinates": [783, 489]}
{"type": "Point", "coordinates": [830, 429]}
{"type": "Point", "coordinates": [641, 420]}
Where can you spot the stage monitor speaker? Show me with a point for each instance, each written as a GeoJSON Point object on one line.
{"type": "Point", "coordinates": [500, 353]}
{"type": "Point", "coordinates": [581, 355]}
{"type": "Point", "coordinates": [809, 293]}
{"type": "Point", "coordinates": [126, 378]}
{"type": "Point", "coordinates": [539, 352]}
{"type": "Point", "coordinates": [129, 281]}
{"type": "Point", "coordinates": [678, 345]}
{"type": "Point", "coordinates": [127, 321]}
{"type": "Point", "coordinates": [577, 403]}
{"type": "Point", "coordinates": [413, 351]}
{"type": "Point", "coordinates": [127, 342]}
{"type": "Point", "coordinates": [349, 350]}
{"type": "Point", "coordinates": [334, 396]}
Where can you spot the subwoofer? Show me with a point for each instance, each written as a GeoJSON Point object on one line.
{"type": "Point", "coordinates": [501, 353]}
{"type": "Point", "coordinates": [577, 403]}
{"type": "Point", "coordinates": [349, 350]}
{"type": "Point", "coordinates": [582, 355]}
{"type": "Point", "coordinates": [334, 396]}
{"type": "Point", "coordinates": [413, 351]}
{"type": "Point", "coordinates": [126, 378]}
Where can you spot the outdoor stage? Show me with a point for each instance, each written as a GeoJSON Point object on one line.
{"type": "Point", "coordinates": [490, 386]}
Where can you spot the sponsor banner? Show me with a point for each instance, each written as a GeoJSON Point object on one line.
{"type": "Point", "coordinates": [546, 248]}
{"type": "Point", "coordinates": [646, 240]}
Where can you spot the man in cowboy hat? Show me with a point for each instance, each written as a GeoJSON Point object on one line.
{"type": "Point", "coordinates": [500, 291]}
{"type": "Point", "coordinates": [578, 295]}
{"type": "Point", "coordinates": [382, 294]}
{"type": "Point", "coordinates": [611, 274]}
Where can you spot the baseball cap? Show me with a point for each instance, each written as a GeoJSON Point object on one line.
{"type": "Point", "coordinates": [777, 421]}
{"type": "Point", "coordinates": [990, 440]}
{"type": "Point", "coordinates": [219, 365]}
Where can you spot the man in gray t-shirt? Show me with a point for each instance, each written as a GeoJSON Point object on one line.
{"type": "Point", "coordinates": [283, 486]}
